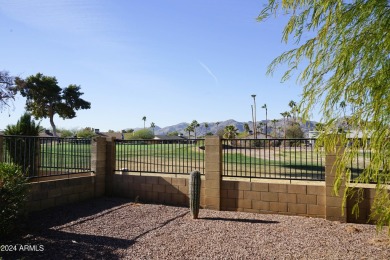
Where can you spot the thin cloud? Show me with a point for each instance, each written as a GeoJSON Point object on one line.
{"type": "Point", "coordinates": [60, 15]}
{"type": "Point", "coordinates": [209, 72]}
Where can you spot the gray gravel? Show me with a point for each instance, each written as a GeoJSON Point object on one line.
{"type": "Point", "coordinates": [113, 228]}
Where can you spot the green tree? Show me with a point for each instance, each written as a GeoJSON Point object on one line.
{"type": "Point", "coordinates": [66, 133]}
{"type": "Point", "coordinates": [274, 121]}
{"type": "Point", "coordinates": [153, 125]}
{"type": "Point", "coordinates": [343, 47]}
{"type": "Point", "coordinates": [266, 120]}
{"type": "Point", "coordinates": [24, 151]}
{"type": "Point", "coordinates": [144, 119]}
{"type": "Point", "coordinates": [45, 98]}
{"type": "Point", "coordinates": [87, 132]}
{"type": "Point", "coordinates": [260, 127]}
{"type": "Point", "coordinates": [285, 115]}
{"type": "Point", "coordinates": [230, 132]}
{"type": "Point", "coordinates": [174, 133]}
{"type": "Point", "coordinates": [294, 131]}
{"type": "Point", "coordinates": [7, 90]}
{"type": "Point", "coordinates": [294, 109]}
{"type": "Point", "coordinates": [206, 125]}
{"type": "Point", "coordinates": [217, 124]}
{"type": "Point", "coordinates": [143, 134]}
{"type": "Point", "coordinates": [189, 129]}
{"type": "Point", "coordinates": [194, 125]}
{"type": "Point", "coordinates": [246, 127]}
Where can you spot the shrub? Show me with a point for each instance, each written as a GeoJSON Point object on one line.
{"type": "Point", "coordinates": [294, 131]}
{"type": "Point", "coordinates": [24, 150]}
{"type": "Point", "coordinates": [25, 126]}
{"type": "Point", "coordinates": [13, 196]}
{"type": "Point", "coordinates": [142, 134]}
{"type": "Point", "coordinates": [86, 133]}
{"type": "Point", "coordinates": [65, 133]}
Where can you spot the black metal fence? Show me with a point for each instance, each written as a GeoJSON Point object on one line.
{"type": "Point", "coordinates": [48, 156]}
{"type": "Point", "coordinates": [160, 156]}
{"type": "Point", "coordinates": [292, 159]}
{"type": "Point", "coordinates": [361, 157]}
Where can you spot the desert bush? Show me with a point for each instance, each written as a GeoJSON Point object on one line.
{"type": "Point", "coordinates": [24, 150]}
{"type": "Point", "coordinates": [13, 196]}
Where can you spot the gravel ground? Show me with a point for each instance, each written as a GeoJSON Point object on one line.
{"type": "Point", "coordinates": [113, 228]}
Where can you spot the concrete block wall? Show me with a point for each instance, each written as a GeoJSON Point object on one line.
{"type": "Point", "coordinates": [47, 194]}
{"type": "Point", "coordinates": [155, 188]}
{"type": "Point", "coordinates": [275, 198]}
{"type": "Point", "coordinates": [54, 191]}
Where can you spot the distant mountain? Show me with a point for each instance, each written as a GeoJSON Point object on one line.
{"type": "Point", "coordinates": [214, 127]}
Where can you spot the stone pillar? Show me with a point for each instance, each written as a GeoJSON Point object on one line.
{"type": "Point", "coordinates": [110, 164]}
{"type": "Point", "coordinates": [213, 172]}
{"type": "Point", "coordinates": [334, 209]}
{"type": "Point", "coordinates": [98, 164]}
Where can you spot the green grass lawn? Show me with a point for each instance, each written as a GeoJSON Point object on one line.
{"type": "Point", "coordinates": [159, 150]}
{"type": "Point", "coordinates": [65, 155]}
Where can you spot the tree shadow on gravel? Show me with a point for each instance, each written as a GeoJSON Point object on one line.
{"type": "Point", "coordinates": [251, 221]}
{"type": "Point", "coordinates": [64, 245]}
{"type": "Point", "coordinates": [60, 244]}
{"type": "Point", "coordinates": [65, 214]}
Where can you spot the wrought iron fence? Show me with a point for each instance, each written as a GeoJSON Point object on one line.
{"type": "Point", "coordinates": [292, 159]}
{"type": "Point", "coordinates": [48, 156]}
{"type": "Point", "coordinates": [160, 156]}
{"type": "Point", "coordinates": [361, 158]}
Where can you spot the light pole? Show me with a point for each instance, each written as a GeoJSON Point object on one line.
{"type": "Point", "coordinates": [254, 116]}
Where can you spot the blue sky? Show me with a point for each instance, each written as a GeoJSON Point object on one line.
{"type": "Point", "coordinates": [172, 61]}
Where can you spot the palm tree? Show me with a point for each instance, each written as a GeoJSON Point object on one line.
{"type": "Point", "coordinates": [280, 129]}
{"type": "Point", "coordinates": [343, 105]}
{"type": "Point", "coordinates": [294, 109]}
{"type": "Point", "coordinates": [206, 125]}
{"type": "Point", "coordinates": [189, 129]}
{"type": "Point", "coordinates": [144, 118]}
{"type": "Point", "coordinates": [274, 121]}
{"type": "Point", "coordinates": [194, 125]}
{"type": "Point", "coordinates": [152, 125]}
{"type": "Point", "coordinates": [292, 104]}
{"type": "Point", "coordinates": [246, 127]}
{"type": "Point", "coordinates": [230, 132]}
{"type": "Point", "coordinates": [260, 126]}
{"type": "Point", "coordinates": [254, 115]}
{"type": "Point", "coordinates": [217, 123]}
{"type": "Point", "coordinates": [285, 114]}
{"type": "Point", "coordinates": [266, 119]}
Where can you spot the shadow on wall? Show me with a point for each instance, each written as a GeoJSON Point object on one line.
{"type": "Point", "coordinates": [154, 189]}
